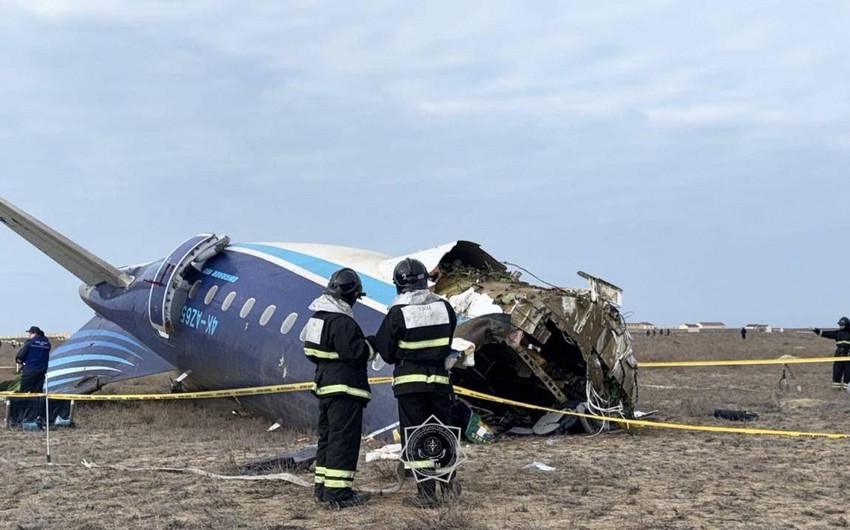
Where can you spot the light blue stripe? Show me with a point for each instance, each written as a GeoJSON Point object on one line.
{"type": "Point", "coordinates": [88, 357]}
{"type": "Point", "coordinates": [94, 332]}
{"type": "Point", "coordinates": [376, 289]}
{"type": "Point", "coordinates": [65, 349]}
{"type": "Point", "coordinates": [59, 382]}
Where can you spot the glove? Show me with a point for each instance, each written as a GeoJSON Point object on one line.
{"type": "Point", "coordinates": [18, 367]}
{"type": "Point", "coordinates": [816, 330]}
{"type": "Point", "coordinates": [451, 360]}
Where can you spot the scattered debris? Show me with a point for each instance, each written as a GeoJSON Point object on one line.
{"type": "Point", "coordinates": [477, 431]}
{"type": "Point", "coordinates": [387, 452]}
{"type": "Point", "coordinates": [735, 415]}
{"type": "Point", "coordinates": [298, 460]}
{"type": "Point", "coordinates": [538, 465]}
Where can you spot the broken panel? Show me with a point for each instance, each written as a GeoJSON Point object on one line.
{"type": "Point", "coordinates": [549, 346]}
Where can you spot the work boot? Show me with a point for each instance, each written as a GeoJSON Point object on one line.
{"type": "Point", "coordinates": [426, 496]}
{"type": "Point", "coordinates": [319, 493]}
{"type": "Point", "coordinates": [346, 498]}
{"type": "Point", "coordinates": [450, 490]}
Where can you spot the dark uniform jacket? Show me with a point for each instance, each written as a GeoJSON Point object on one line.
{"type": "Point", "coordinates": [416, 336]}
{"type": "Point", "coordinates": [842, 340]}
{"type": "Point", "coordinates": [335, 343]}
{"type": "Point", "coordinates": [34, 354]}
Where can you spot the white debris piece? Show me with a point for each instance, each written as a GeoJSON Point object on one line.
{"type": "Point", "coordinates": [538, 465]}
{"type": "Point", "coordinates": [472, 304]}
{"type": "Point", "coordinates": [387, 452]}
{"type": "Point", "coordinates": [466, 350]}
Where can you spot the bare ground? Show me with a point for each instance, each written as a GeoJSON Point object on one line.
{"type": "Point", "coordinates": [640, 479]}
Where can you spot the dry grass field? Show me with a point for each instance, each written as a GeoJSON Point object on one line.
{"type": "Point", "coordinates": [638, 479]}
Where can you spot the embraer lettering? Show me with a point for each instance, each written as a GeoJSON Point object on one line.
{"type": "Point", "coordinates": [194, 318]}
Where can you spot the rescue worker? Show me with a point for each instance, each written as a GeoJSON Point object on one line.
{"type": "Point", "coordinates": [32, 360]}
{"type": "Point", "coordinates": [416, 337]}
{"type": "Point", "coordinates": [840, 370]}
{"type": "Point", "coordinates": [335, 343]}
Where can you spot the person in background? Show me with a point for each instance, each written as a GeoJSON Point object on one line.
{"type": "Point", "coordinates": [841, 336]}
{"type": "Point", "coordinates": [744, 333]}
{"type": "Point", "coordinates": [32, 360]}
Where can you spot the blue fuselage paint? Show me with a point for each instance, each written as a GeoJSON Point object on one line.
{"type": "Point", "coordinates": [224, 349]}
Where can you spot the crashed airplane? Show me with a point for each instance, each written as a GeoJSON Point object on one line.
{"type": "Point", "coordinates": [228, 315]}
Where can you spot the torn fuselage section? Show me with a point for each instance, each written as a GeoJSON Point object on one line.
{"type": "Point", "coordinates": [549, 346]}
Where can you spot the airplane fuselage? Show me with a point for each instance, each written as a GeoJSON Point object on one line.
{"type": "Point", "coordinates": [240, 326]}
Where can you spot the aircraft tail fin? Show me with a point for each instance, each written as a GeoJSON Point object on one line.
{"type": "Point", "coordinates": [100, 352]}
{"type": "Point", "coordinates": [77, 260]}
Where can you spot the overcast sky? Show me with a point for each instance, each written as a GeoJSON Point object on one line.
{"type": "Point", "coordinates": [694, 153]}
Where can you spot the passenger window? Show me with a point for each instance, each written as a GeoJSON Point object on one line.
{"type": "Point", "coordinates": [228, 301]}
{"type": "Point", "coordinates": [267, 315]}
{"type": "Point", "coordinates": [211, 294]}
{"type": "Point", "coordinates": [194, 290]}
{"type": "Point", "coordinates": [249, 304]}
{"type": "Point", "coordinates": [288, 322]}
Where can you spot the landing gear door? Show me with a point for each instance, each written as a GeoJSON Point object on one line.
{"type": "Point", "coordinates": [169, 287]}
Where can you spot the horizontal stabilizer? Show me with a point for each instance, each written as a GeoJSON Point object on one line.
{"type": "Point", "coordinates": [99, 353]}
{"type": "Point", "coordinates": [80, 262]}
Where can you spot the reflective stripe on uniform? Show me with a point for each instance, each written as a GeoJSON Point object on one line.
{"type": "Point", "coordinates": [321, 354]}
{"type": "Point", "coordinates": [339, 473]}
{"type": "Point", "coordinates": [419, 464]}
{"type": "Point", "coordinates": [320, 475]}
{"type": "Point", "coordinates": [420, 378]}
{"type": "Point", "coordinates": [844, 342]}
{"type": "Point", "coordinates": [338, 483]}
{"type": "Point", "coordinates": [341, 389]}
{"type": "Point", "coordinates": [422, 344]}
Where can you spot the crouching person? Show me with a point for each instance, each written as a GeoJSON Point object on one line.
{"type": "Point", "coordinates": [335, 343]}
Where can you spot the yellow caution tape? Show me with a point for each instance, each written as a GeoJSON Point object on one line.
{"type": "Point", "coordinates": [298, 387]}
{"type": "Point", "coordinates": [645, 423]}
{"type": "Point", "coordinates": [206, 394]}
{"type": "Point", "coordinates": [741, 362]}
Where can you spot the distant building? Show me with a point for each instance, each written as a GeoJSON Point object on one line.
{"type": "Point", "coordinates": [710, 325]}
{"type": "Point", "coordinates": [762, 328]}
{"type": "Point", "coordinates": [639, 326]}
{"type": "Point", "coordinates": [23, 336]}
{"type": "Point", "coordinates": [690, 328]}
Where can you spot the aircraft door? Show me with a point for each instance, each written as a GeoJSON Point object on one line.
{"type": "Point", "coordinates": [169, 287]}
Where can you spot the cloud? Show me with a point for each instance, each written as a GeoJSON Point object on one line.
{"type": "Point", "coordinates": [717, 114]}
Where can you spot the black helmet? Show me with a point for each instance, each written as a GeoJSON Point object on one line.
{"type": "Point", "coordinates": [410, 275]}
{"type": "Point", "coordinates": [844, 322]}
{"type": "Point", "coordinates": [345, 285]}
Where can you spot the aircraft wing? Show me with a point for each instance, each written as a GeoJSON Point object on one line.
{"type": "Point", "coordinates": [99, 353]}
